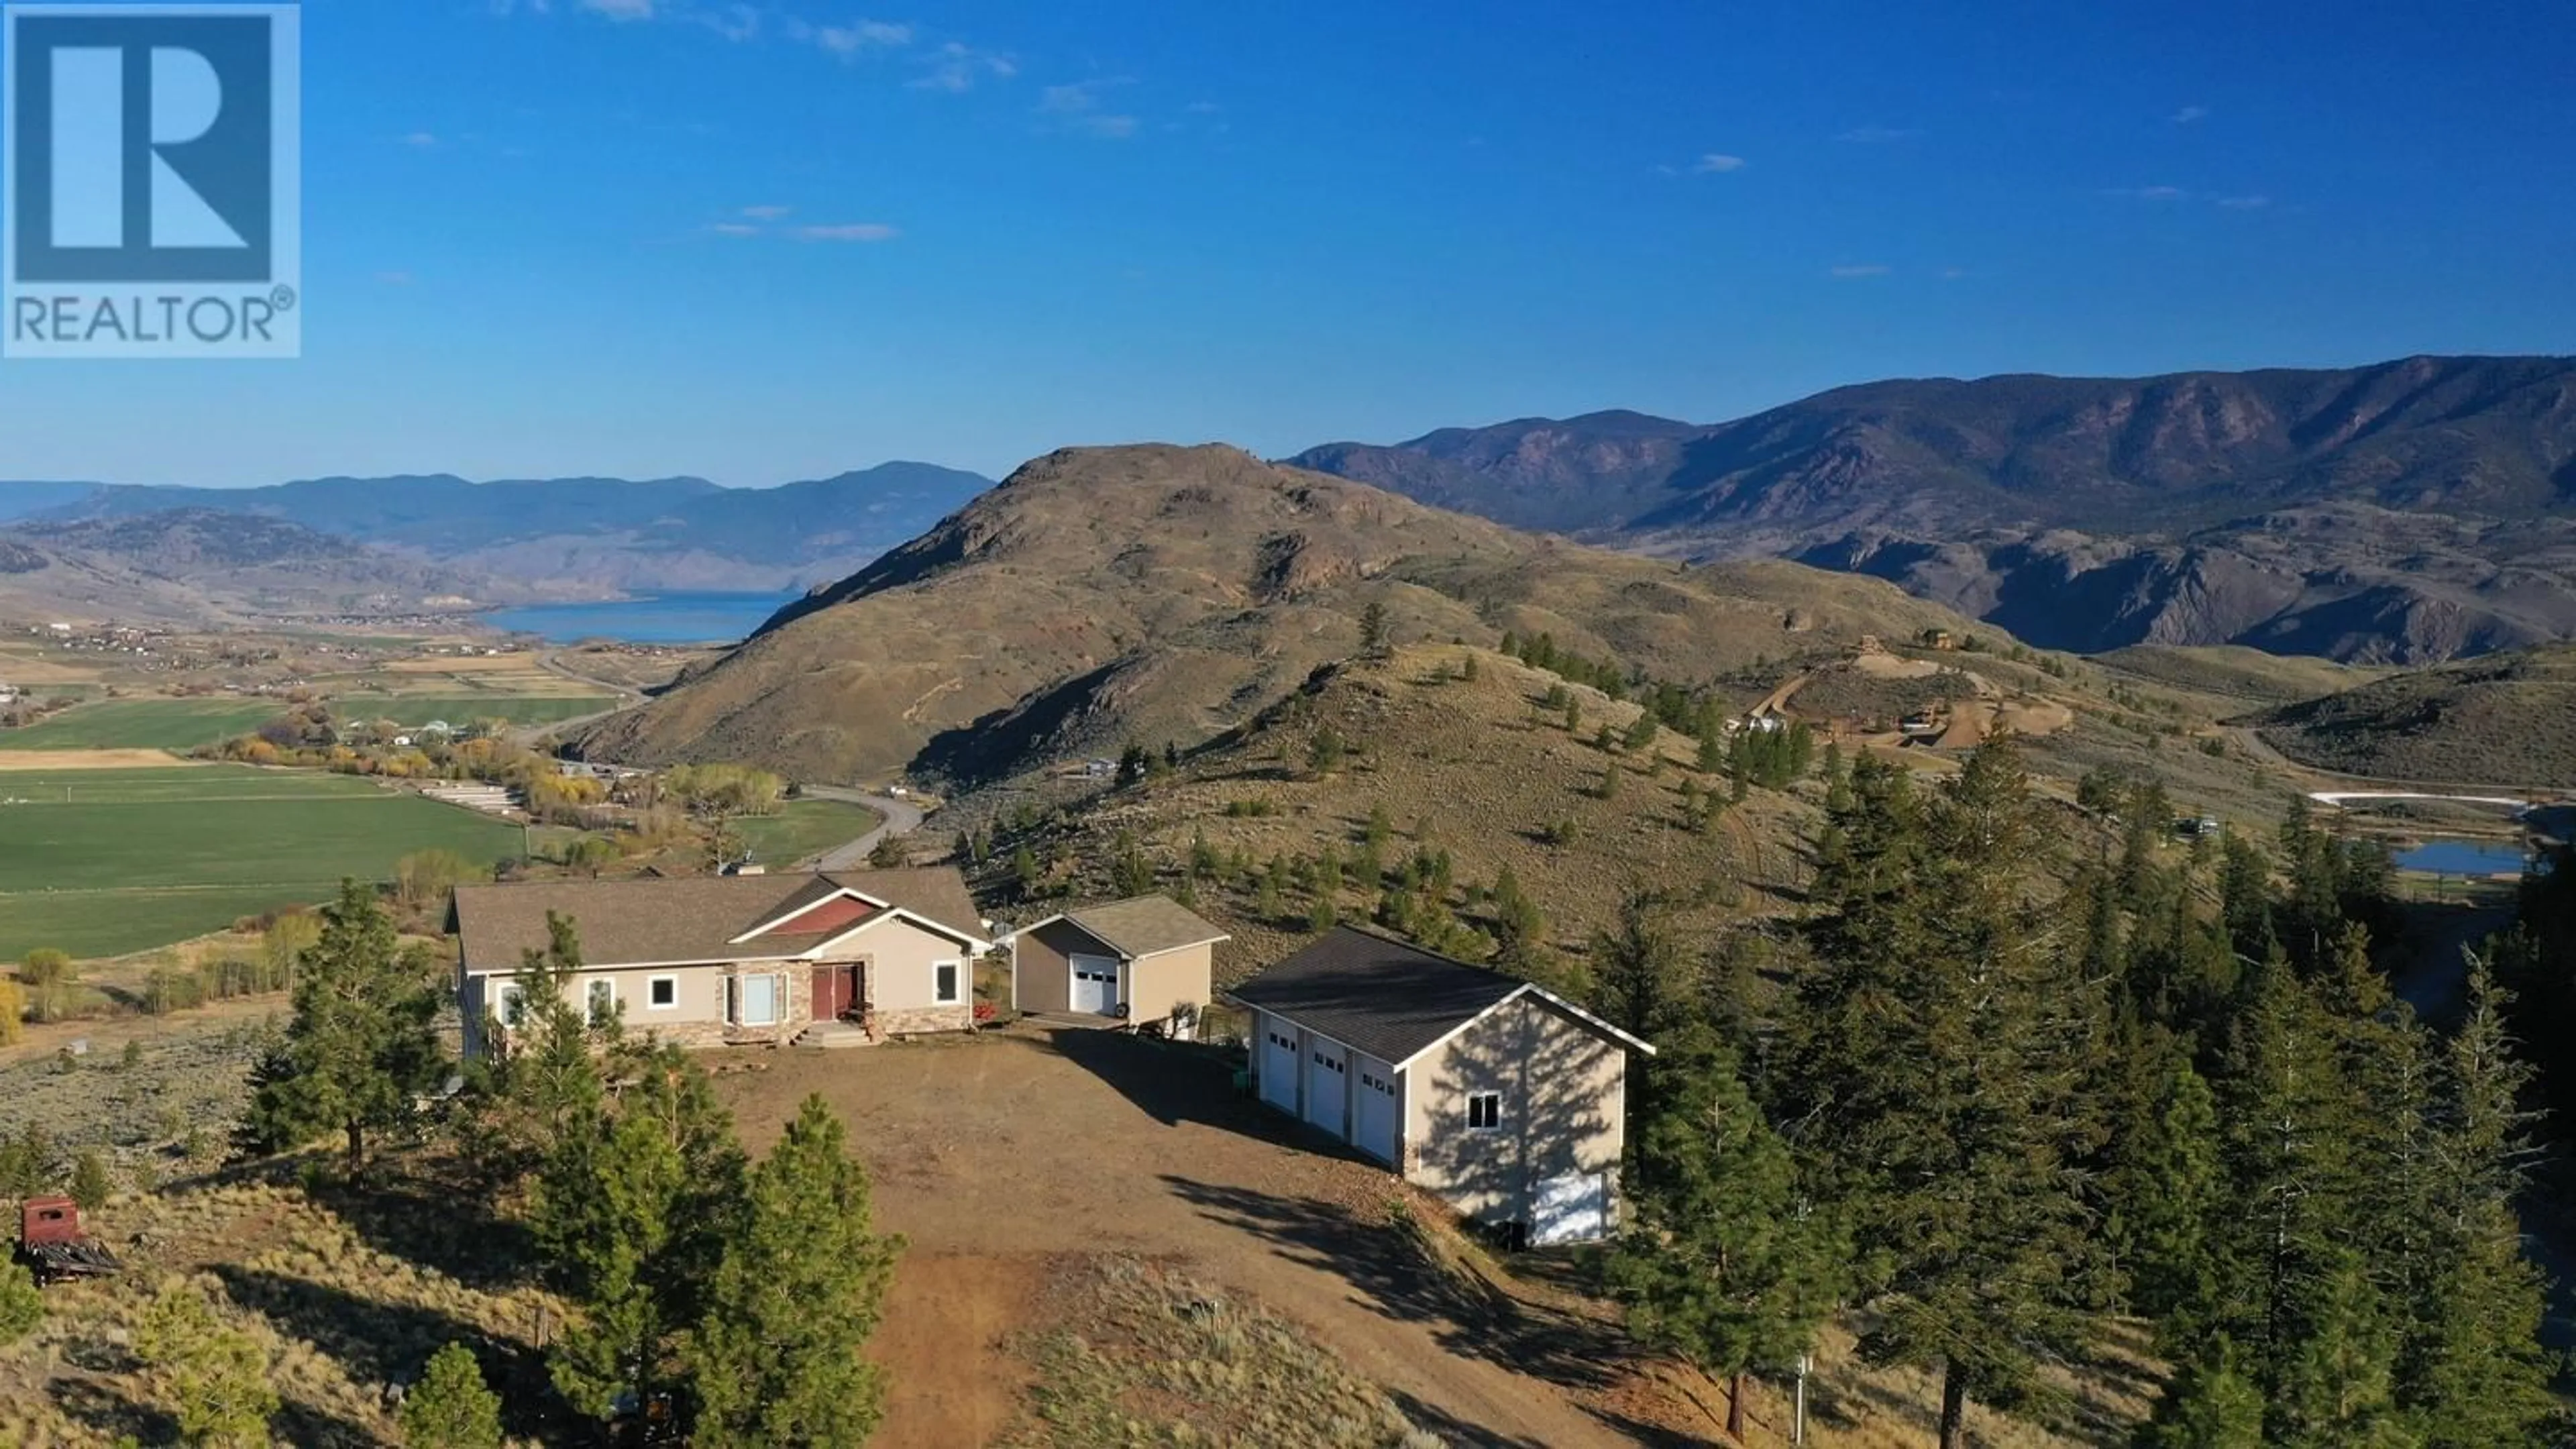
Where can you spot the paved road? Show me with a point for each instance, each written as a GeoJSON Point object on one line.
{"type": "Point", "coordinates": [902, 817]}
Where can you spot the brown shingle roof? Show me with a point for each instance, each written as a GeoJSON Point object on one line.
{"type": "Point", "coordinates": [1145, 925]}
{"type": "Point", "coordinates": [633, 922]}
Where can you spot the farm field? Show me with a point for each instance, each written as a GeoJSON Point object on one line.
{"type": "Point", "coordinates": [142, 724]}
{"type": "Point", "coordinates": [804, 827]}
{"type": "Point", "coordinates": [103, 862]}
{"type": "Point", "coordinates": [418, 709]}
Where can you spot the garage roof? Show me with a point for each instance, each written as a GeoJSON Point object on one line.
{"type": "Point", "coordinates": [1144, 925]}
{"type": "Point", "coordinates": [1391, 1000]}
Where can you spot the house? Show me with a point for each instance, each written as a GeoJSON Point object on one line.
{"type": "Point", "coordinates": [1144, 961]}
{"type": "Point", "coordinates": [738, 959]}
{"type": "Point", "coordinates": [1500, 1097]}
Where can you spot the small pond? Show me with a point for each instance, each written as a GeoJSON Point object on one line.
{"type": "Point", "coordinates": [2463, 857]}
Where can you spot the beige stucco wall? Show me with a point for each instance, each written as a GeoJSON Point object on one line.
{"type": "Point", "coordinates": [1157, 983]}
{"type": "Point", "coordinates": [899, 956]}
{"type": "Point", "coordinates": [698, 1016]}
{"type": "Point", "coordinates": [1564, 1109]}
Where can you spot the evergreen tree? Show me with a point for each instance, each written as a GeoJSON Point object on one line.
{"type": "Point", "coordinates": [632, 1220]}
{"type": "Point", "coordinates": [451, 1407]}
{"type": "Point", "coordinates": [1720, 1264]}
{"type": "Point", "coordinates": [2170, 1194]}
{"type": "Point", "coordinates": [363, 1043]}
{"type": "Point", "coordinates": [1938, 1047]}
{"type": "Point", "coordinates": [1024, 870]}
{"type": "Point", "coordinates": [2333, 1389]}
{"type": "Point", "coordinates": [1519, 929]}
{"type": "Point", "coordinates": [2473, 1371]}
{"type": "Point", "coordinates": [801, 1288]}
{"type": "Point", "coordinates": [22, 1304]}
{"type": "Point", "coordinates": [90, 1185]}
{"type": "Point", "coordinates": [1373, 643]}
{"type": "Point", "coordinates": [216, 1377]}
{"type": "Point", "coordinates": [2210, 1404]}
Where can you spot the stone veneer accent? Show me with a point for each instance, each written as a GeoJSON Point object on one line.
{"type": "Point", "coordinates": [929, 1018]}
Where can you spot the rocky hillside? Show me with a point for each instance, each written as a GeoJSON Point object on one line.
{"type": "Point", "coordinates": [203, 565]}
{"type": "Point", "coordinates": [577, 536]}
{"type": "Point", "coordinates": [2407, 512]}
{"type": "Point", "coordinates": [2501, 722]}
{"type": "Point", "coordinates": [1161, 593]}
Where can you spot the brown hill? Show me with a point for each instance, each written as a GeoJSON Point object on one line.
{"type": "Point", "coordinates": [1164, 593]}
{"type": "Point", "coordinates": [2500, 722]}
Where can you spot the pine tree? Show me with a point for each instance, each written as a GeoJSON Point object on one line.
{"type": "Point", "coordinates": [451, 1407]}
{"type": "Point", "coordinates": [363, 1042]}
{"type": "Point", "coordinates": [216, 1377]}
{"type": "Point", "coordinates": [1720, 1265]}
{"type": "Point", "coordinates": [1373, 631]}
{"type": "Point", "coordinates": [632, 1220]}
{"type": "Point", "coordinates": [90, 1185]}
{"type": "Point", "coordinates": [2472, 1371]}
{"type": "Point", "coordinates": [22, 1304]}
{"type": "Point", "coordinates": [2210, 1404]}
{"type": "Point", "coordinates": [801, 1288]}
{"type": "Point", "coordinates": [2171, 1191]}
{"type": "Point", "coordinates": [2333, 1388]}
{"type": "Point", "coordinates": [1938, 1048]}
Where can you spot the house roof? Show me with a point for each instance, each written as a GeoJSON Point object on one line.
{"type": "Point", "coordinates": [1143, 925]}
{"type": "Point", "coordinates": [1380, 996]}
{"type": "Point", "coordinates": [658, 921]}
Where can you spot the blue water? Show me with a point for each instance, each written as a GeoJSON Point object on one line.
{"type": "Point", "coordinates": [708, 618]}
{"type": "Point", "coordinates": [2462, 857]}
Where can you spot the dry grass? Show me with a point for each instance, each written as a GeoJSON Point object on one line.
{"type": "Point", "coordinates": [345, 1306]}
{"type": "Point", "coordinates": [90, 760]}
{"type": "Point", "coordinates": [1152, 1356]}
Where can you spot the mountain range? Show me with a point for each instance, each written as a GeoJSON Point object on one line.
{"type": "Point", "coordinates": [1154, 593]}
{"type": "Point", "coordinates": [572, 536]}
{"type": "Point", "coordinates": [2406, 512]}
{"type": "Point", "coordinates": [194, 566]}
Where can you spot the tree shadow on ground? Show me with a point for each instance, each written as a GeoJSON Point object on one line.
{"type": "Point", "coordinates": [112, 1414]}
{"type": "Point", "coordinates": [1451, 1430]}
{"type": "Point", "coordinates": [438, 1225]}
{"type": "Point", "coordinates": [1395, 1277]}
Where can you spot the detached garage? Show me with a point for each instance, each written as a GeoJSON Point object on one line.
{"type": "Point", "coordinates": [1501, 1097]}
{"type": "Point", "coordinates": [1149, 961]}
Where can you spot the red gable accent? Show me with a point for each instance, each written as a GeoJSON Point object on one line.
{"type": "Point", "coordinates": [837, 913]}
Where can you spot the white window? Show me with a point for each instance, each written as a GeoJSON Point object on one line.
{"type": "Point", "coordinates": [755, 1001]}
{"type": "Point", "coordinates": [661, 993]}
{"type": "Point", "coordinates": [1484, 1111]}
{"type": "Point", "coordinates": [511, 1007]}
{"type": "Point", "coordinates": [603, 1000]}
{"type": "Point", "coordinates": [947, 982]}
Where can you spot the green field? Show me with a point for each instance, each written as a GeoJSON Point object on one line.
{"type": "Point", "coordinates": [102, 862]}
{"type": "Point", "coordinates": [804, 827]}
{"type": "Point", "coordinates": [142, 724]}
{"type": "Point", "coordinates": [461, 709]}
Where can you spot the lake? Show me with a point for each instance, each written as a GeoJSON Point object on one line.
{"type": "Point", "coordinates": [680, 618]}
{"type": "Point", "coordinates": [2462, 857]}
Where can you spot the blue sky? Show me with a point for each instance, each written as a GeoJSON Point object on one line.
{"type": "Point", "coordinates": [765, 241]}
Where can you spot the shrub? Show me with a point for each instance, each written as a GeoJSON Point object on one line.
{"type": "Point", "coordinates": [48, 975]}
{"type": "Point", "coordinates": [22, 1307]}
{"type": "Point", "coordinates": [451, 1407]}
{"type": "Point", "coordinates": [13, 1010]}
{"type": "Point", "coordinates": [90, 1185]}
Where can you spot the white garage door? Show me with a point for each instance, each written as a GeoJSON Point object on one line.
{"type": "Point", "coordinates": [1572, 1209]}
{"type": "Point", "coordinates": [1095, 984]}
{"type": "Point", "coordinates": [1328, 1084]}
{"type": "Point", "coordinates": [1374, 1112]}
{"type": "Point", "coordinates": [1279, 1057]}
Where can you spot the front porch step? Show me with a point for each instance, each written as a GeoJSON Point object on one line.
{"type": "Point", "coordinates": [834, 1035]}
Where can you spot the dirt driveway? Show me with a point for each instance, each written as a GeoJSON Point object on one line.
{"type": "Point", "coordinates": [999, 1155]}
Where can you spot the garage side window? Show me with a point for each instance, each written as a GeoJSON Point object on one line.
{"type": "Point", "coordinates": [1484, 1111]}
{"type": "Point", "coordinates": [513, 1011]}
{"type": "Point", "coordinates": [603, 1002]}
{"type": "Point", "coordinates": [944, 982]}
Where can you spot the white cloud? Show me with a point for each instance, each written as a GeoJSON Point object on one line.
{"type": "Point", "coordinates": [861, 231]}
{"type": "Point", "coordinates": [1866, 269]}
{"type": "Point", "coordinates": [734, 228]}
{"type": "Point", "coordinates": [955, 68]}
{"type": "Point", "coordinates": [420, 140]}
{"type": "Point", "coordinates": [1716, 163]}
{"type": "Point", "coordinates": [765, 213]}
{"type": "Point", "coordinates": [1076, 107]}
{"type": "Point", "coordinates": [394, 279]}
{"type": "Point", "coordinates": [861, 36]}
{"type": "Point", "coordinates": [620, 9]}
{"type": "Point", "coordinates": [2147, 193]}
{"type": "Point", "coordinates": [2243, 203]}
{"type": "Point", "coordinates": [733, 22]}
{"type": "Point", "coordinates": [2189, 114]}
{"type": "Point", "coordinates": [1877, 135]}
{"type": "Point", "coordinates": [1952, 274]}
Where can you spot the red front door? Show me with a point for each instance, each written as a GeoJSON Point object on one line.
{"type": "Point", "coordinates": [836, 990]}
